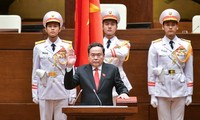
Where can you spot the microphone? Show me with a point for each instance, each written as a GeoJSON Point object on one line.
{"type": "Point", "coordinates": [97, 97]}
{"type": "Point", "coordinates": [77, 96]}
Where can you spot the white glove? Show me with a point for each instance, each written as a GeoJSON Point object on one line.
{"type": "Point", "coordinates": [43, 76]}
{"type": "Point", "coordinates": [188, 100]}
{"type": "Point", "coordinates": [40, 73]}
{"type": "Point", "coordinates": [72, 101]}
{"type": "Point", "coordinates": [35, 100]}
{"type": "Point", "coordinates": [154, 101]}
{"type": "Point", "coordinates": [157, 71]}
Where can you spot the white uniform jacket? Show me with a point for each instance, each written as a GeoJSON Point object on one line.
{"type": "Point", "coordinates": [50, 85]}
{"type": "Point", "coordinates": [116, 54]}
{"type": "Point", "coordinates": [170, 71]}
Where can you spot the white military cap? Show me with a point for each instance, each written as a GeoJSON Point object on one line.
{"type": "Point", "coordinates": [169, 14]}
{"type": "Point", "coordinates": [52, 16]}
{"type": "Point", "coordinates": [110, 13]}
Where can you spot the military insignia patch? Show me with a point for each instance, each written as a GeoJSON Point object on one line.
{"type": "Point", "coordinates": [61, 56]}
{"type": "Point", "coordinates": [181, 51]}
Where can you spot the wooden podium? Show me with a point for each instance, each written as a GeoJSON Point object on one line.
{"type": "Point", "coordinates": [98, 112]}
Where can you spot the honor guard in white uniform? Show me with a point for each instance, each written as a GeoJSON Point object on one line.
{"type": "Point", "coordinates": [116, 50]}
{"type": "Point", "coordinates": [49, 63]}
{"type": "Point", "coordinates": [170, 70]}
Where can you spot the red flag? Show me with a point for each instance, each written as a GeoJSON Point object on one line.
{"type": "Point", "coordinates": [88, 28]}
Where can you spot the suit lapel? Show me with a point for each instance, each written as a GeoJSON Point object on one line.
{"type": "Point", "coordinates": [89, 72]}
{"type": "Point", "coordinates": [104, 70]}
{"type": "Point", "coordinates": [58, 47]}
{"type": "Point", "coordinates": [166, 45]}
{"type": "Point", "coordinates": [177, 45]}
{"type": "Point", "coordinates": [49, 48]}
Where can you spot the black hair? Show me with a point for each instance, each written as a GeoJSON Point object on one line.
{"type": "Point", "coordinates": [96, 44]}
{"type": "Point", "coordinates": [110, 19]}
{"type": "Point", "coordinates": [52, 22]}
{"type": "Point", "coordinates": [170, 20]}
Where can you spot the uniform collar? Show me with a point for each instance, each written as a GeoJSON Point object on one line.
{"type": "Point", "coordinates": [112, 39]}
{"type": "Point", "coordinates": [56, 42]}
{"type": "Point", "coordinates": [166, 40]}
{"type": "Point", "coordinates": [176, 41]}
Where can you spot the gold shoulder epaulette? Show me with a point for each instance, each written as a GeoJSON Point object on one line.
{"type": "Point", "coordinates": [39, 42]}
{"type": "Point", "coordinates": [124, 40]}
{"type": "Point", "coordinates": [157, 40]}
{"type": "Point", "coordinates": [186, 40]}
{"type": "Point", "coordinates": [67, 41]}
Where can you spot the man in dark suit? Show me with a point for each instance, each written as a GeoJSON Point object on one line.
{"type": "Point", "coordinates": [95, 93]}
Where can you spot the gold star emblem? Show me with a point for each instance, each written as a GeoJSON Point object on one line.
{"type": "Point", "coordinates": [170, 13]}
{"type": "Point", "coordinates": [52, 16]}
{"type": "Point", "coordinates": [110, 12]}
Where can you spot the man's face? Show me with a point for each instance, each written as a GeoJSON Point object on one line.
{"type": "Point", "coordinates": [170, 28]}
{"type": "Point", "coordinates": [109, 28]}
{"type": "Point", "coordinates": [96, 56]}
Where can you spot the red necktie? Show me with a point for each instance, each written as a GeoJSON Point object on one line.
{"type": "Point", "coordinates": [96, 77]}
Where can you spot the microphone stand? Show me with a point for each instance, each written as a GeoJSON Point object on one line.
{"type": "Point", "coordinates": [97, 97]}
{"type": "Point", "coordinates": [77, 96]}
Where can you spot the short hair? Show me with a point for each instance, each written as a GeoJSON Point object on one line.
{"type": "Point", "coordinates": [52, 22]}
{"type": "Point", "coordinates": [111, 20]}
{"type": "Point", "coordinates": [171, 21]}
{"type": "Point", "coordinates": [96, 44]}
